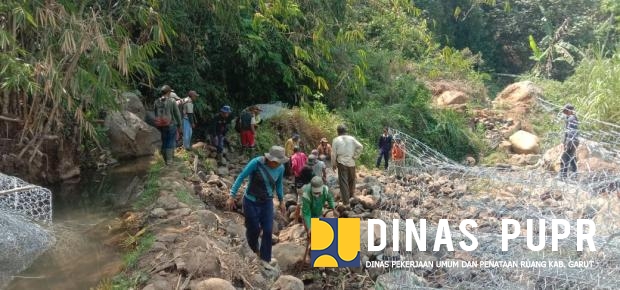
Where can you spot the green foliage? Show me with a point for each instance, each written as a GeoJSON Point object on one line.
{"type": "Point", "coordinates": [499, 29]}
{"type": "Point", "coordinates": [266, 136]}
{"type": "Point", "coordinates": [593, 89]}
{"type": "Point", "coordinates": [62, 62]}
{"type": "Point", "coordinates": [131, 259]}
{"type": "Point", "coordinates": [185, 197]}
{"type": "Point", "coordinates": [445, 131]}
{"type": "Point", "coordinates": [151, 187]}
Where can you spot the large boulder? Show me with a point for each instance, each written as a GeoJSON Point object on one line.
{"type": "Point", "coordinates": [451, 98]}
{"type": "Point", "coordinates": [521, 94]}
{"type": "Point", "coordinates": [591, 157]}
{"type": "Point", "coordinates": [130, 136]}
{"type": "Point", "coordinates": [131, 102]}
{"type": "Point", "coordinates": [524, 143]}
{"type": "Point", "coordinates": [288, 254]}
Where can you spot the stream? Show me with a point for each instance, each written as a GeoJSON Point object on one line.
{"type": "Point", "coordinates": [81, 210]}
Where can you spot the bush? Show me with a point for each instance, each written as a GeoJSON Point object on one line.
{"type": "Point", "coordinates": [593, 88]}
{"type": "Point", "coordinates": [443, 130]}
{"type": "Point", "coordinates": [311, 121]}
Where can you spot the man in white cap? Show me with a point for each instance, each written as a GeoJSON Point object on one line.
{"type": "Point", "coordinates": [315, 195]}
{"type": "Point", "coordinates": [265, 181]}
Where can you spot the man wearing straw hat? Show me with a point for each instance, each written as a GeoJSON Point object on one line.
{"type": "Point", "coordinates": [265, 174]}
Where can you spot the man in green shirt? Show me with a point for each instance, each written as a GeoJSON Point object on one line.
{"type": "Point", "coordinates": [315, 194]}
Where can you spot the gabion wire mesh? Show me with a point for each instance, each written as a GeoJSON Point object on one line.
{"type": "Point", "coordinates": [434, 187]}
{"type": "Point", "coordinates": [21, 197]}
{"type": "Point", "coordinates": [22, 240]}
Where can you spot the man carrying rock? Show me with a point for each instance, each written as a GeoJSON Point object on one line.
{"type": "Point", "coordinates": [571, 141]}
{"type": "Point", "coordinates": [265, 175]}
{"type": "Point", "coordinates": [315, 195]}
{"type": "Point", "coordinates": [345, 150]}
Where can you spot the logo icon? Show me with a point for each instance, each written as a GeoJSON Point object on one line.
{"type": "Point", "coordinates": [335, 242]}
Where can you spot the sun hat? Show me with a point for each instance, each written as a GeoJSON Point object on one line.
{"type": "Point", "coordinates": [193, 94]}
{"type": "Point", "coordinates": [166, 89]}
{"type": "Point", "coordinates": [317, 184]}
{"type": "Point", "coordinates": [323, 140]}
{"type": "Point", "coordinates": [276, 153]}
{"type": "Point", "coordinates": [315, 152]}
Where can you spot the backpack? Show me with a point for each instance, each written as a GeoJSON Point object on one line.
{"type": "Point", "coordinates": [245, 120]}
{"type": "Point", "coordinates": [238, 125]}
{"type": "Point", "coordinates": [163, 118]}
{"type": "Point", "coordinates": [181, 104]}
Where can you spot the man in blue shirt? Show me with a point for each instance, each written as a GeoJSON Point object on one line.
{"type": "Point", "coordinates": [265, 180]}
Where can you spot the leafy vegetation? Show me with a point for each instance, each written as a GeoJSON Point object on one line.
{"type": "Point", "coordinates": [593, 88]}
{"type": "Point", "coordinates": [64, 63]}
{"type": "Point", "coordinates": [151, 186]}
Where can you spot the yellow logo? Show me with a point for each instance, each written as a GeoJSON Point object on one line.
{"type": "Point", "coordinates": [335, 242]}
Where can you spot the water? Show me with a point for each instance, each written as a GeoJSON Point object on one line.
{"type": "Point", "coordinates": [83, 254]}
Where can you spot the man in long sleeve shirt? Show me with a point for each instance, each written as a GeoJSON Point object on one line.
{"type": "Point", "coordinates": [345, 150]}
{"type": "Point", "coordinates": [315, 194]}
{"type": "Point", "coordinates": [168, 133]}
{"type": "Point", "coordinates": [385, 147]}
{"type": "Point", "coordinates": [265, 180]}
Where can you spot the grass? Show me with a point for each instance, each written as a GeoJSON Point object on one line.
{"type": "Point", "coordinates": [144, 244]}
{"type": "Point", "coordinates": [151, 187]}
{"type": "Point", "coordinates": [124, 280]}
{"type": "Point", "coordinates": [185, 197]}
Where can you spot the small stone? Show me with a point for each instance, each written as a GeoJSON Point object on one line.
{"type": "Point", "coordinates": [168, 202]}
{"type": "Point", "coordinates": [213, 284]}
{"type": "Point", "coordinates": [207, 218]}
{"type": "Point", "coordinates": [288, 282]}
{"type": "Point", "coordinates": [159, 213]}
{"type": "Point", "coordinates": [166, 238]}
{"type": "Point", "coordinates": [222, 171]}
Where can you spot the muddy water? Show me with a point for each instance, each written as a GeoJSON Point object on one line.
{"type": "Point", "coordinates": [82, 209]}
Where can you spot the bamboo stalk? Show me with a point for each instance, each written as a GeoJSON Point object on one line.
{"type": "Point", "coordinates": [18, 189]}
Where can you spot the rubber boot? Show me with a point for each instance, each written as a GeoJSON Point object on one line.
{"type": "Point", "coordinates": [169, 156]}
{"type": "Point", "coordinates": [163, 153]}
{"type": "Point", "coordinates": [219, 158]}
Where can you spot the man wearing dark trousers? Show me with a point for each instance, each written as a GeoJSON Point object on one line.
{"type": "Point", "coordinates": [571, 141]}
{"type": "Point", "coordinates": [385, 148]}
{"type": "Point", "coordinates": [345, 150]}
{"type": "Point", "coordinates": [265, 175]}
